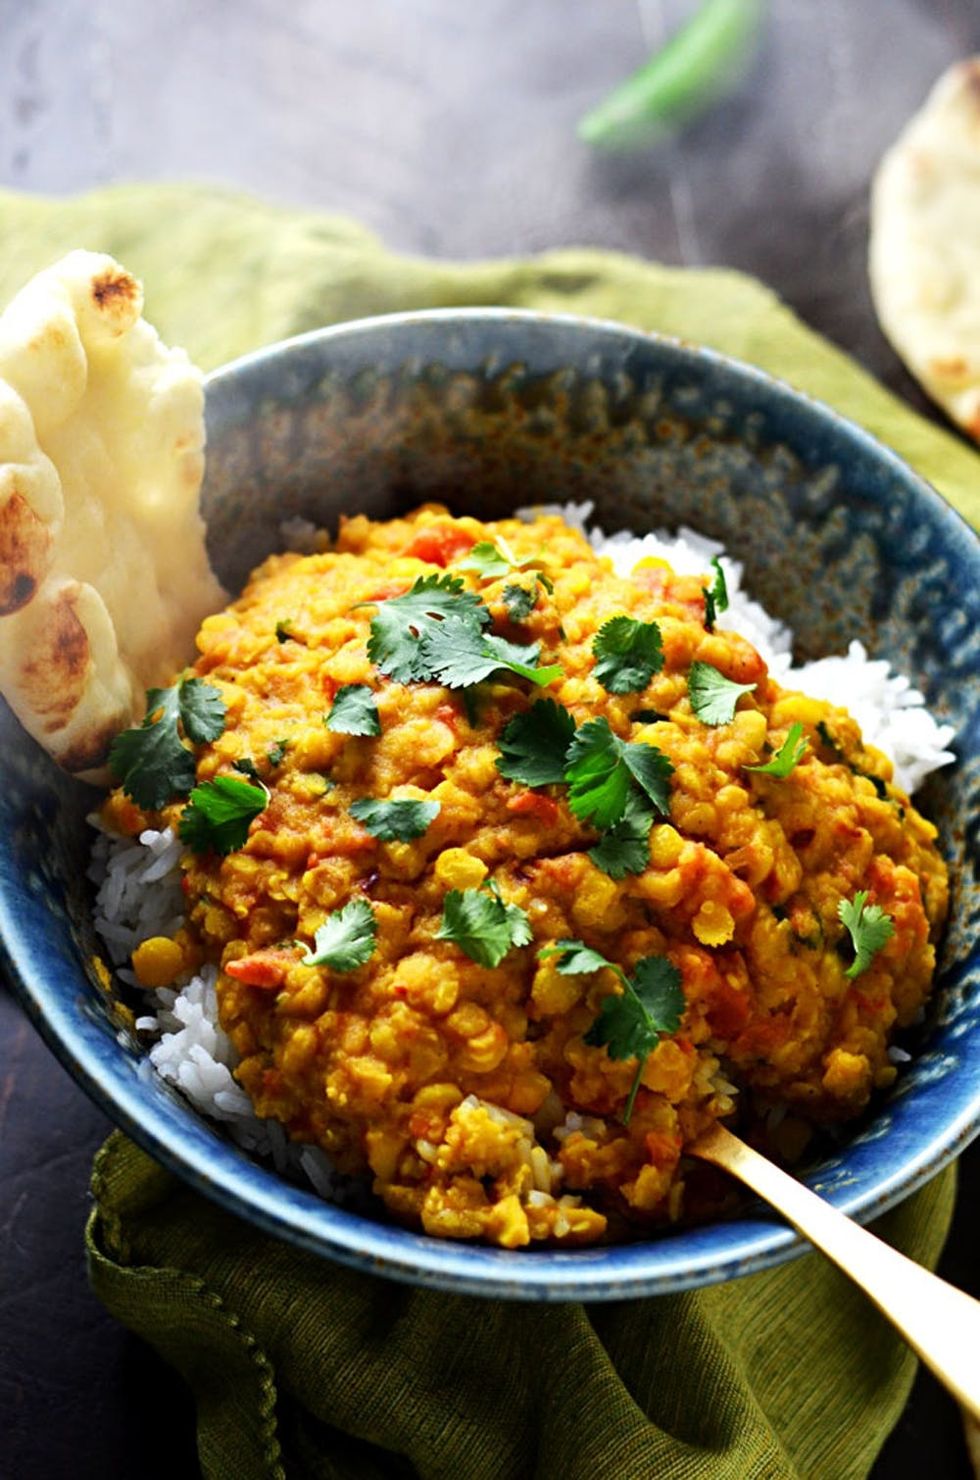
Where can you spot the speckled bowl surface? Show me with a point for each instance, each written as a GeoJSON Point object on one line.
{"type": "Point", "coordinates": [486, 409]}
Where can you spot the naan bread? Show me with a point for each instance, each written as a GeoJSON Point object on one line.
{"type": "Point", "coordinates": [104, 578]}
{"type": "Point", "coordinates": [925, 244]}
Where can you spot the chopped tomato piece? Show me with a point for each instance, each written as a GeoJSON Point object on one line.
{"type": "Point", "coordinates": [266, 969]}
{"type": "Point", "coordinates": [663, 1149]}
{"type": "Point", "coordinates": [438, 544]}
{"type": "Point", "coordinates": [728, 1009]}
{"type": "Point", "coordinates": [533, 804]}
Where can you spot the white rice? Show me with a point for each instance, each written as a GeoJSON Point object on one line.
{"type": "Point", "coordinates": [138, 880]}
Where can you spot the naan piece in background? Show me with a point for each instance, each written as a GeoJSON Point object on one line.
{"type": "Point", "coordinates": [104, 577]}
{"type": "Point", "coordinates": [925, 244]}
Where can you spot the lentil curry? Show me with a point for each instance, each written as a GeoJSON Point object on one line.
{"type": "Point", "coordinates": [631, 882]}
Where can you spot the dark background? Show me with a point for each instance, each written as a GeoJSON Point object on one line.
{"type": "Point", "coordinates": [448, 127]}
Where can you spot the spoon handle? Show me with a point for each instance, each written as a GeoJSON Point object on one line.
{"type": "Point", "coordinates": [938, 1321]}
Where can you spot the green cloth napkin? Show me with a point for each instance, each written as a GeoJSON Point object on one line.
{"type": "Point", "coordinates": [299, 1367]}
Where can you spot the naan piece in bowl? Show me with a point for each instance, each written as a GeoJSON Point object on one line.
{"type": "Point", "coordinates": [925, 244]}
{"type": "Point", "coordinates": [104, 576]}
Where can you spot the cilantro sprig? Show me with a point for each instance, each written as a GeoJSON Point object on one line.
{"type": "Point", "coordinates": [397, 821]}
{"type": "Point", "coordinates": [489, 563]}
{"type": "Point", "coordinates": [625, 847]}
{"type": "Point", "coordinates": [628, 653]}
{"type": "Point", "coordinates": [483, 924]}
{"type": "Point", "coordinates": [629, 1024]}
{"type": "Point", "coordinates": [616, 785]}
{"type": "Point", "coordinates": [435, 632]}
{"type": "Point", "coordinates": [869, 927]}
{"type": "Point", "coordinates": [603, 772]}
{"type": "Point", "coordinates": [151, 760]}
{"type": "Point", "coordinates": [218, 814]}
{"type": "Point", "coordinates": [715, 596]}
{"type": "Point", "coordinates": [346, 939]}
{"type": "Point", "coordinates": [787, 757]}
{"type": "Point", "coordinates": [354, 711]}
{"type": "Point", "coordinates": [492, 562]}
{"type": "Point", "coordinates": [713, 696]}
{"type": "Point", "coordinates": [401, 622]}
{"type": "Point", "coordinates": [458, 654]}
{"type": "Point", "coordinates": [533, 745]}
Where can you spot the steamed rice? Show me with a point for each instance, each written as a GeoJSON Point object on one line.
{"type": "Point", "coordinates": [138, 881]}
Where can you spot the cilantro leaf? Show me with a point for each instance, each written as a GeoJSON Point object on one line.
{"type": "Point", "coordinates": [284, 630]}
{"type": "Point", "coordinates": [601, 771]}
{"type": "Point", "coordinates": [627, 653]}
{"type": "Point", "coordinates": [625, 847]}
{"type": "Point", "coordinates": [202, 710]}
{"type": "Point", "coordinates": [575, 958]}
{"type": "Point", "coordinates": [276, 754]}
{"type": "Point", "coordinates": [435, 631]}
{"type": "Point", "coordinates": [401, 622]}
{"type": "Point", "coordinates": [651, 769]}
{"type": "Point", "coordinates": [715, 596]}
{"type": "Point", "coordinates": [246, 766]}
{"type": "Point", "coordinates": [395, 821]}
{"type": "Point", "coordinates": [520, 601]}
{"type": "Point", "coordinates": [789, 754]}
{"type": "Point", "coordinates": [457, 653]}
{"type": "Point", "coordinates": [533, 744]}
{"type": "Point", "coordinates": [151, 761]}
{"type": "Point", "coordinates": [487, 561]}
{"type": "Point", "coordinates": [218, 814]}
{"type": "Point", "coordinates": [657, 983]}
{"type": "Point", "coordinates": [869, 928]}
{"type": "Point", "coordinates": [598, 781]}
{"type": "Point", "coordinates": [713, 696]}
{"type": "Point", "coordinates": [491, 562]}
{"type": "Point", "coordinates": [622, 1027]}
{"type": "Point", "coordinates": [483, 925]}
{"type": "Point", "coordinates": [346, 939]}
{"type": "Point", "coordinates": [629, 1026]}
{"type": "Point", "coordinates": [354, 711]}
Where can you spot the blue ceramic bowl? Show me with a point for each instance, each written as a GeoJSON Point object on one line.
{"type": "Point", "coordinates": [487, 409]}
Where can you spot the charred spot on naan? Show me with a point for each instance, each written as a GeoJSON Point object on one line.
{"type": "Point", "coordinates": [114, 284]}
{"type": "Point", "coordinates": [89, 752]}
{"type": "Point", "coordinates": [53, 673]}
{"type": "Point", "coordinates": [25, 546]}
{"type": "Point", "coordinates": [116, 294]}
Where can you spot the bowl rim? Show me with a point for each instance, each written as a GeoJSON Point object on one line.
{"type": "Point", "coordinates": [212, 1165]}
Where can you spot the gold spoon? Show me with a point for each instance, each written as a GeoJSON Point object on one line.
{"type": "Point", "coordinates": [937, 1320]}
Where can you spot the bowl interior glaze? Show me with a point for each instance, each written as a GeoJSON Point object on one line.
{"type": "Point", "coordinates": [486, 409]}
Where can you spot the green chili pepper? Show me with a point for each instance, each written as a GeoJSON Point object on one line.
{"type": "Point", "coordinates": [690, 72]}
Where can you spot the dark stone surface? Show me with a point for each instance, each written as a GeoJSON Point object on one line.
{"type": "Point", "coordinates": [449, 129]}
